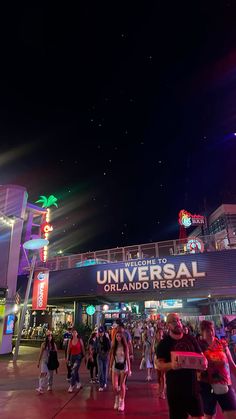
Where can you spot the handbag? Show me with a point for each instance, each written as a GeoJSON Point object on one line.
{"type": "Point", "coordinates": [53, 363]}
{"type": "Point", "coordinates": [219, 388]}
{"type": "Point", "coordinates": [142, 364]}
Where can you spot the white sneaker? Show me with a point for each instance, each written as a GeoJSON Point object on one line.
{"type": "Point", "coordinates": [49, 388]}
{"type": "Point", "coordinates": [121, 407]}
{"type": "Point", "coordinates": [116, 404]}
{"type": "Point", "coordinates": [39, 390]}
{"type": "Point", "coordinates": [105, 385]}
{"type": "Point", "coordinates": [100, 389]}
{"type": "Point", "coordinates": [70, 389]}
{"type": "Point", "coordinates": [78, 386]}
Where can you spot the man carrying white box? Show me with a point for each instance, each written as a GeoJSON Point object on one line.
{"type": "Point", "coordinates": [176, 355]}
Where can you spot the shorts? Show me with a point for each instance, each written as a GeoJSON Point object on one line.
{"type": "Point", "coordinates": [181, 406]}
{"type": "Point", "coordinates": [125, 370]}
{"type": "Point", "coordinates": [226, 401]}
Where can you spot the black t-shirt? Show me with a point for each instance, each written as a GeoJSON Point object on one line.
{"type": "Point", "coordinates": [182, 381]}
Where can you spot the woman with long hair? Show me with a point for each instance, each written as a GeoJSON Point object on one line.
{"type": "Point", "coordinates": [160, 374]}
{"type": "Point", "coordinates": [75, 354]}
{"type": "Point", "coordinates": [119, 368]}
{"type": "Point", "coordinates": [92, 358]}
{"type": "Point", "coordinates": [46, 374]}
{"type": "Point", "coordinates": [147, 355]}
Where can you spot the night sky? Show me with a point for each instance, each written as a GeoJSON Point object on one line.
{"type": "Point", "coordinates": [125, 111]}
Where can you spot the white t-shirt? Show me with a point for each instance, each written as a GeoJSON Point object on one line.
{"type": "Point", "coordinates": [137, 332]}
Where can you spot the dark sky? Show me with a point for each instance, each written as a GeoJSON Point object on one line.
{"type": "Point", "coordinates": [123, 110]}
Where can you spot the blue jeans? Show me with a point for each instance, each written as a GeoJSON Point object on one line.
{"type": "Point", "coordinates": [75, 364]}
{"type": "Point", "coordinates": [102, 370]}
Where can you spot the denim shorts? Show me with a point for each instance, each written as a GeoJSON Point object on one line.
{"type": "Point", "coordinates": [226, 401]}
{"type": "Point", "coordinates": [125, 370]}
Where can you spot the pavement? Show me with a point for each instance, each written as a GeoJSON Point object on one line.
{"type": "Point", "coordinates": [18, 397]}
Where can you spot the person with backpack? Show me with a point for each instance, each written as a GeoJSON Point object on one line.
{"type": "Point", "coordinates": [47, 363]}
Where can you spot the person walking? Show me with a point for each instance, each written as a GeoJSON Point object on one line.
{"type": "Point", "coordinates": [66, 339]}
{"type": "Point", "coordinates": [102, 348]}
{"type": "Point", "coordinates": [122, 329]}
{"type": "Point", "coordinates": [75, 354]}
{"type": "Point", "coordinates": [119, 368]}
{"type": "Point", "coordinates": [46, 374]}
{"type": "Point", "coordinates": [160, 374]}
{"type": "Point", "coordinates": [137, 331]}
{"type": "Point", "coordinates": [92, 358]}
{"type": "Point", "coordinates": [183, 392]}
{"type": "Point", "coordinates": [147, 355]}
{"type": "Point", "coordinates": [216, 383]}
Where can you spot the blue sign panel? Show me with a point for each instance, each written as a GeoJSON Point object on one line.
{"type": "Point", "coordinates": [194, 275]}
{"type": "Point", "coordinates": [9, 327]}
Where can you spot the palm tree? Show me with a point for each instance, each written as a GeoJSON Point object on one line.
{"type": "Point", "coordinates": [47, 202]}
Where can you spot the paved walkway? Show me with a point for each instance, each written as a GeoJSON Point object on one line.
{"type": "Point", "coordinates": [19, 399]}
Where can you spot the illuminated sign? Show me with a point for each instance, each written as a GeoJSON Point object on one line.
{"type": "Point", "coordinates": [195, 245]}
{"type": "Point", "coordinates": [149, 274]}
{"type": "Point", "coordinates": [40, 290]}
{"type": "Point", "coordinates": [2, 313]}
{"type": "Point", "coordinates": [172, 304]}
{"type": "Point", "coordinates": [181, 276]}
{"type": "Point", "coordinates": [152, 304]}
{"type": "Point", "coordinates": [90, 310]}
{"type": "Point", "coordinates": [9, 325]}
{"type": "Point", "coordinates": [46, 228]}
{"type": "Point", "coordinates": [187, 219]}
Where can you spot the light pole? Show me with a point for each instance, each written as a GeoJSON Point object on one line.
{"type": "Point", "coordinates": [34, 244]}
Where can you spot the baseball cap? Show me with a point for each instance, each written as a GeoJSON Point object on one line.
{"type": "Point", "coordinates": [101, 329]}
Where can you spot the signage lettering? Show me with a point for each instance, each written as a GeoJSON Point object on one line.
{"type": "Point", "coordinates": [40, 290]}
{"type": "Point", "coordinates": [152, 276]}
{"type": "Point", "coordinates": [187, 219]}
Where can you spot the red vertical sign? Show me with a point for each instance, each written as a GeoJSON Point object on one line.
{"type": "Point", "coordinates": [40, 290]}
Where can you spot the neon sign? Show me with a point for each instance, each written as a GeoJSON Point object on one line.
{"type": "Point", "coordinates": [46, 227]}
{"type": "Point", "coordinates": [187, 219]}
{"type": "Point", "coordinates": [195, 245]}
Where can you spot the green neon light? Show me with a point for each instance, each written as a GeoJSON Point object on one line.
{"type": "Point", "coordinates": [47, 202]}
{"type": "Point", "coordinates": [90, 310]}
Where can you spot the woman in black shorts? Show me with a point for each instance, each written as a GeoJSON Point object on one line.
{"type": "Point", "coordinates": [119, 368]}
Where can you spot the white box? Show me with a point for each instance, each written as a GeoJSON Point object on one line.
{"type": "Point", "coordinates": [190, 360]}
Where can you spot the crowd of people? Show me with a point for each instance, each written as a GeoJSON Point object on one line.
{"type": "Point", "coordinates": [190, 391]}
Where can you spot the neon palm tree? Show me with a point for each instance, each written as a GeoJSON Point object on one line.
{"type": "Point", "coordinates": [47, 202]}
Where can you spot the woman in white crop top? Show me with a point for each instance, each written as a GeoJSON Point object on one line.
{"type": "Point", "coordinates": [120, 368]}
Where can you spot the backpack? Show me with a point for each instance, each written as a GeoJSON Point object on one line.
{"type": "Point", "coordinates": [53, 363]}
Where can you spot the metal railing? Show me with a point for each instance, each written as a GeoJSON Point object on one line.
{"type": "Point", "coordinates": [160, 250]}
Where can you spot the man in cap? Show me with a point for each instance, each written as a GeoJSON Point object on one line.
{"type": "Point", "coordinates": [102, 346]}
{"type": "Point", "coordinates": [183, 393]}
